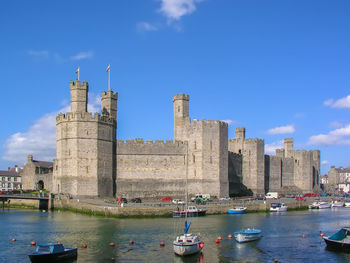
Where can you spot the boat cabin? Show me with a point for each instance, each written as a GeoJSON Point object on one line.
{"type": "Point", "coordinates": [49, 248]}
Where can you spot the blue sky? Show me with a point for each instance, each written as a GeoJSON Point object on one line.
{"type": "Point", "coordinates": [280, 68]}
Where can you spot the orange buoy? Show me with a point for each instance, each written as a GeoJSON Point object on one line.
{"type": "Point", "coordinates": [58, 242]}
{"type": "Point", "coordinates": [84, 246]}
{"type": "Point", "coordinates": [220, 238]}
{"type": "Point", "coordinates": [217, 241]}
{"type": "Point", "coordinates": [162, 244]}
{"type": "Point", "coordinates": [229, 236]}
{"type": "Point", "coordinates": [303, 236]}
{"type": "Point", "coordinates": [13, 239]}
{"type": "Point", "coordinates": [322, 235]}
{"type": "Point", "coordinates": [111, 244]}
{"type": "Point", "coordinates": [275, 260]}
{"type": "Point", "coordinates": [33, 243]}
{"type": "Point", "coordinates": [131, 242]}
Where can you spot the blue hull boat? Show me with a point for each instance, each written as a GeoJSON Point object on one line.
{"type": "Point", "coordinates": [339, 241]}
{"type": "Point", "coordinates": [247, 235]}
{"type": "Point", "coordinates": [237, 210]}
{"type": "Point", "coordinates": [53, 253]}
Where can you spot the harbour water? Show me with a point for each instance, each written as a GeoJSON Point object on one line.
{"type": "Point", "coordinates": [282, 236]}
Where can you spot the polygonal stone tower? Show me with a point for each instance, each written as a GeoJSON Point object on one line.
{"type": "Point", "coordinates": [85, 146]}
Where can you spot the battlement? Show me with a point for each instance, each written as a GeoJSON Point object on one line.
{"type": "Point", "coordinates": [254, 140]}
{"type": "Point", "coordinates": [209, 122]}
{"type": "Point", "coordinates": [83, 116]}
{"type": "Point", "coordinates": [151, 142]}
{"type": "Point", "coordinates": [78, 84]}
{"type": "Point", "coordinates": [181, 97]}
{"type": "Point", "coordinates": [109, 94]}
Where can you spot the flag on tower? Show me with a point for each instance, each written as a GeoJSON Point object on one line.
{"type": "Point", "coordinates": [77, 72]}
{"type": "Point", "coordinates": [108, 68]}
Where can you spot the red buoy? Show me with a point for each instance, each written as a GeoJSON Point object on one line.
{"type": "Point", "coordinates": [84, 246]}
{"type": "Point", "coordinates": [217, 241]}
{"type": "Point", "coordinates": [229, 236]}
{"type": "Point", "coordinates": [33, 243]}
{"type": "Point", "coordinates": [322, 235]}
{"type": "Point", "coordinates": [303, 236]}
{"type": "Point", "coordinates": [13, 239]}
{"type": "Point", "coordinates": [220, 238]}
{"type": "Point", "coordinates": [112, 244]}
{"type": "Point", "coordinates": [162, 244]}
{"type": "Point", "coordinates": [131, 242]}
{"type": "Point", "coordinates": [201, 245]}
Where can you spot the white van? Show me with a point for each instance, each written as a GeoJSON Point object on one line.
{"type": "Point", "coordinates": [272, 195]}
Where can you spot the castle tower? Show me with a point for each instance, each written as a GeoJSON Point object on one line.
{"type": "Point", "coordinates": [181, 116]}
{"type": "Point", "coordinates": [85, 162]}
{"type": "Point", "coordinates": [240, 133]}
{"type": "Point", "coordinates": [288, 147]}
{"type": "Point", "coordinates": [109, 104]}
{"type": "Point", "coordinates": [78, 96]}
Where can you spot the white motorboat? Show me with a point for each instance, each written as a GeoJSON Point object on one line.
{"type": "Point", "coordinates": [347, 203]}
{"type": "Point", "coordinates": [337, 203]}
{"type": "Point", "coordinates": [314, 205]}
{"type": "Point", "coordinates": [278, 207]}
{"type": "Point", "coordinates": [324, 205]}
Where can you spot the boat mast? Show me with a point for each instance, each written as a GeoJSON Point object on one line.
{"type": "Point", "coordinates": [186, 197]}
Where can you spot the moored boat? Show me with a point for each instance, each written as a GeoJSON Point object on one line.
{"type": "Point", "coordinates": [337, 203]}
{"type": "Point", "coordinates": [340, 240]}
{"type": "Point", "coordinates": [347, 203]}
{"type": "Point", "coordinates": [247, 235]}
{"type": "Point", "coordinates": [314, 205]}
{"type": "Point", "coordinates": [187, 244]}
{"type": "Point", "coordinates": [53, 253]}
{"type": "Point", "coordinates": [237, 210]}
{"type": "Point", "coordinates": [190, 211]}
{"type": "Point", "coordinates": [278, 207]}
{"type": "Point", "coordinates": [324, 205]}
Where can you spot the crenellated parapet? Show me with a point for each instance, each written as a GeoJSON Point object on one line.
{"type": "Point", "coordinates": [181, 97]}
{"type": "Point", "coordinates": [109, 94]}
{"type": "Point", "coordinates": [83, 116]}
{"type": "Point", "coordinates": [208, 123]}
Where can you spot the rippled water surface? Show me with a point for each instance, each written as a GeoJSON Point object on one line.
{"type": "Point", "coordinates": [282, 236]}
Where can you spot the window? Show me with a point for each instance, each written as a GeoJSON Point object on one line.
{"type": "Point", "coordinates": [178, 109]}
{"type": "Point", "coordinates": [211, 145]}
{"type": "Point", "coordinates": [195, 145]}
{"type": "Point", "coordinates": [194, 158]}
{"type": "Point", "coordinates": [9, 185]}
{"type": "Point", "coordinates": [3, 178]}
{"type": "Point", "coordinates": [15, 179]}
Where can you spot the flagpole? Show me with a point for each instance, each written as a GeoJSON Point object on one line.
{"type": "Point", "coordinates": [109, 78]}
{"type": "Point", "coordinates": [78, 72]}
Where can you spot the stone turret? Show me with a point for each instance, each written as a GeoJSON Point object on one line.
{"type": "Point", "coordinates": [181, 115]}
{"type": "Point", "coordinates": [240, 133]}
{"type": "Point", "coordinates": [288, 147]}
{"type": "Point", "coordinates": [79, 96]}
{"type": "Point", "coordinates": [109, 104]}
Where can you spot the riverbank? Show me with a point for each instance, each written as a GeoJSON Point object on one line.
{"type": "Point", "coordinates": [109, 208]}
{"type": "Point", "coordinates": [103, 208]}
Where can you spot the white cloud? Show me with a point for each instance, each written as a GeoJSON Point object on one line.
{"type": "Point", "coordinates": [230, 122]}
{"type": "Point", "coordinates": [324, 162]}
{"type": "Point", "coordinates": [335, 137]}
{"type": "Point", "coordinates": [145, 26]}
{"type": "Point", "coordinates": [175, 9]}
{"type": "Point", "coordinates": [340, 103]}
{"type": "Point", "coordinates": [40, 139]}
{"type": "Point", "coordinates": [38, 54]}
{"type": "Point", "coordinates": [335, 124]}
{"type": "Point", "coordinates": [82, 55]}
{"type": "Point", "coordinates": [282, 130]}
{"type": "Point", "coordinates": [270, 149]}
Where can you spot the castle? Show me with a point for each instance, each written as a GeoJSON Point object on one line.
{"type": "Point", "coordinates": [91, 162]}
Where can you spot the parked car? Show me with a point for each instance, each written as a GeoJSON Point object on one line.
{"type": "Point", "coordinates": [272, 195]}
{"type": "Point", "coordinates": [226, 198]}
{"type": "Point", "coordinates": [166, 199]}
{"type": "Point", "coordinates": [178, 201]}
{"type": "Point", "coordinates": [311, 195]}
{"type": "Point", "coordinates": [260, 197]}
{"type": "Point", "coordinates": [123, 200]}
{"type": "Point", "coordinates": [300, 198]}
{"type": "Point", "coordinates": [136, 200]}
